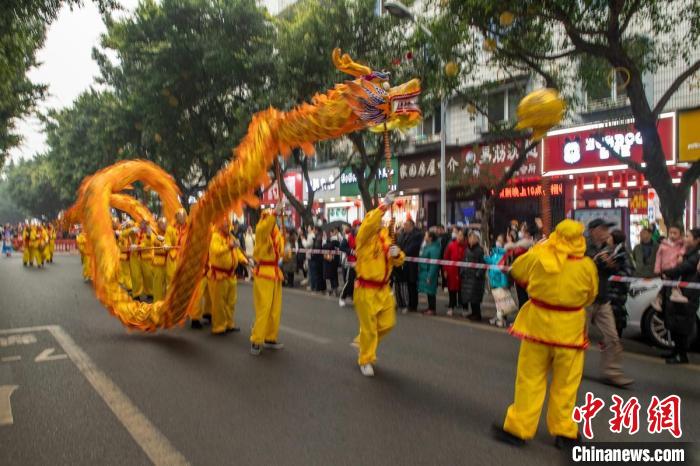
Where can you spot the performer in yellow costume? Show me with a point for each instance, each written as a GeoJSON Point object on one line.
{"type": "Point", "coordinates": [160, 254]}
{"type": "Point", "coordinates": [41, 244]}
{"type": "Point", "coordinates": [561, 282]}
{"type": "Point", "coordinates": [81, 242]}
{"type": "Point", "coordinates": [51, 245]}
{"type": "Point", "coordinates": [26, 251]}
{"type": "Point", "coordinates": [145, 248]}
{"type": "Point", "coordinates": [135, 263]}
{"type": "Point", "coordinates": [224, 257]}
{"type": "Point", "coordinates": [267, 286]}
{"type": "Point", "coordinates": [174, 237]}
{"type": "Point", "coordinates": [124, 243]}
{"type": "Point", "coordinates": [374, 301]}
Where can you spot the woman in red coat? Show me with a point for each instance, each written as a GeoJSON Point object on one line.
{"type": "Point", "coordinates": [454, 252]}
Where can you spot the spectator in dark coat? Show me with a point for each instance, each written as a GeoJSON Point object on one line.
{"type": "Point", "coordinates": [621, 265]}
{"type": "Point", "coordinates": [473, 280]}
{"type": "Point", "coordinates": [644, 255]}
{"type": "Point", "coordinates": [406, 276]}
{"type": "Point", "coordinates": [680, 317]}
{"type": "Point", "coordinates": [331, 261]}
{"type": "Point", "coordinates": [318, 283]}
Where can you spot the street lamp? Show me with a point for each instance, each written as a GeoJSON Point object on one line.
{"type": "Point", "coordinates": [399, 10]}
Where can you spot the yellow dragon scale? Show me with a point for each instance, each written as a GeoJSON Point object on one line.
{"type": "Point", "coordinates": [270, 132]}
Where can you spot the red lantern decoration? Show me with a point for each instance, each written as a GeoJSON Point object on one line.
{"type": "Point", "coordinates": [400, 203]}
{"type": "Point", "coordinates": [409, 55]}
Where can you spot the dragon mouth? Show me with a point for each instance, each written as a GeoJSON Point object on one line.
{"type": "Point", "coordinates": [405, 103]}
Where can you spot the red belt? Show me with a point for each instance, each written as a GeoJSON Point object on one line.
{"type": "Point", "coordinates": [553, 307]}
{"type": "Point", "coordinates": [228, 272]}
{"type": "Point", "coordinates": [273, 263]}
{"type": "Point", "coordinates": [363, 283]}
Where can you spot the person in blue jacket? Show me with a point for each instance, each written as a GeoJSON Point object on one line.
{"type": "Point", "coordinates": [497, 279]}
{"type": "Point", "coordinates": [428, 273]}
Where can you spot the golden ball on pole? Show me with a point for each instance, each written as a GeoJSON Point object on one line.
{"type": "Point", "coordinates": [540, 110]}
{"type": "Point", "coordinates": [506, 18]}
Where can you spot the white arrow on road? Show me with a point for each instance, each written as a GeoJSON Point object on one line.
{"type": "Point", "coordinates": [5, 406]}
{"type": "Point", "coordinates": [47, 355]}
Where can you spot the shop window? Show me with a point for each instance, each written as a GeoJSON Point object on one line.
{"type": "Point", "coordinates": [502, 106]}
{"type": "Point", "coordinates": [430, 127]}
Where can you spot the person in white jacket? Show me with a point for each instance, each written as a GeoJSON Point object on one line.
{"type": "Point", "coordinates": [307, 243]}
{"type": "Point", "coordinates": [249, 246]}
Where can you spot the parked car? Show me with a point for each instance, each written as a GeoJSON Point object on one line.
{"type": "Point", "coordinates": [644, 318]}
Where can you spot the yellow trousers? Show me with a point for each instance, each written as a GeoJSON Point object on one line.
{"type": "Point", "coordinates": [223, 295]}
{"type": "Point", "coordinates": [170, 269]}
{"type": "Point", "coordinates": [36, 255]}
{"type": "Point", "coordinates": [26, 255]}
{"type": "Point", "coordinates": [376, 313]}
{"type": "Point", "coordinates": [159, 284]}
{"type": "Point", "coordinates": [52, 248]}
{"type": "Point", "coordinates": [136, 277]}
{"type": "Point", "coordinates": [204, 304]}
{"type": "Point", "coordinates": [87, 266]}
{"type": "Point", "coordinates": [46, 253]}
{"type": "Point", "coordinates": [147, 276]}
{"type": "Point", "coordinates": [534, 364]}
{"type": "Point", "coordinates": [267, 300]}
{"type": "Point", "coordinates": [125, 274]}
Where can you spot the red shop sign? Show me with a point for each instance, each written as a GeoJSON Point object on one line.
{"type": "Point", "coordinates": [293, 182]}
{"type": "Point", "coordinates": [575, 150]}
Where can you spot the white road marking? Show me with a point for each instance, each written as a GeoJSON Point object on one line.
{"type": "Point", "coordinates": [6, 391]}
{"type": "Point", "coordinates": [305, 335]}
{"type": "Point", "coordinates": [145, 434]}
{"type": "Point", "coordinates": [47, 355]}
{"type": "Point", "coordinates": [13, 340]}
{"type": "Point", "coordinates": [11, 358]}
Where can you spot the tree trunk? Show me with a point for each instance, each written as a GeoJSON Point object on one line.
{"type": "Point", "coordinates": [487, 210]}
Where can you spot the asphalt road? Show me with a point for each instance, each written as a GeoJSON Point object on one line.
{"type": "Point", "coordinates": [83, 390]}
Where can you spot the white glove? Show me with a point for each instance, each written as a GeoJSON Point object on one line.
{"type": "Point", "coordinates": [279, 263]}
{"type": "Point", "coordinates": [117, 233]}
{"type": "Point", "coordinates": [160, 238]}
{"type": "Point", "coordinates": [133, 247]}
{"type": "Point", "coordinates": [137, 230]}
{"type": "Point", "coordinates": [279, 209]}
{"type": "Point", "coordinates": [389, 198]}
{"type": "Point", "coordinates": [394, 251]}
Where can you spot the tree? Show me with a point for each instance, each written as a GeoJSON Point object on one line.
{"type": "Point", "coordinates": [547, 37]}
{"type": "Point", "coordinates": [23, 25]}
{"type": "Point", "coordinates": [30, 185]}
{"type": "Point", "coordinates": [10, 212]}
{"type": "Point", "coordinates": [307, 34]}
{"type": "Point", "coordinates": [191, 72]}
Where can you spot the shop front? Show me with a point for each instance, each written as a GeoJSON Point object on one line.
{"type": "Point", "coordinates": [470, 171]}
{"type": "Point", "coordinates": [271, 196]}
{"type": "Point", "coordinates": [405, 207]}
{"type": "Point", "coordinates": [596, 184]}
{"type": "Point", "coordinates": [325, 184]}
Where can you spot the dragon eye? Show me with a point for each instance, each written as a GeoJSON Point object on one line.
{"type": "Point", "coordinates": [386, 85]}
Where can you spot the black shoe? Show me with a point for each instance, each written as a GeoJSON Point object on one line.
{"type": "Point", "coordinates": [24, 264]}
{"type": "Point", "coordinates": [670, 355]}
{"type": "Point", "coordinates": [566, 443]}
{"type": "Point", "coordinates": [506, 437]}
{"type": "Point", "coordinates": [207, 317]}
{"type": "Point", "coordinates": [233, 330]}
{"type": "Point", "coordinates": [195, 324]}
{"type": "Point", "coordinates": [474, 317]}
{"type": "Point", "coordinates": [678, 359]}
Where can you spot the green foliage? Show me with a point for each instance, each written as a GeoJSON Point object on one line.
{"type": "Point", "coordinates": [191, 73]}
{"type": "Point", "coordinates": [30, 185]}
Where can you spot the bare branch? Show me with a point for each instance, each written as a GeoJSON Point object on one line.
{"type": "Point", "coordinates": [517, 164]}
{"type": "Point", "coordinates": [630, 14]}
{"type": "Point", "coordinates": [626, 160]}
{"type": "Point", "coordinates": [674, 87]}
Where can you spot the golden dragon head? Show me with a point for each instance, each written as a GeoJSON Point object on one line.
{"type": "Point", "coordinates": [374, 101]}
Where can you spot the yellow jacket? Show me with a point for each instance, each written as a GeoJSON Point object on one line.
{"type": "Point", "coordinates": [43, 237]}
{"type": "Point", "coordinates": [174, 235]}
{"type": "Point", "coordinates": [269, 247]}
{"type": "Point", "coordinates": [560, 281]}
{"type": "Point", "coordinates": [145, 240]}
{"type": "Point", "coordinates": [159, 255]}
{"type": "Point", "coordinates": [81, 242]}
{"type": "Point", "coordinates": [34, 237]}
{"type": "Point", "coordinates": [52, 236]}
{"type": "Point", "coordinates": [124, 243]}
{"type": "Point", "coordinates": [374, 265]}
{"type": "Point", "coordinates": [223, 259]}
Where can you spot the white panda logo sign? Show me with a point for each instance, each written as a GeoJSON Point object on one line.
{"type": "Point", "coordinates": [572, 150]}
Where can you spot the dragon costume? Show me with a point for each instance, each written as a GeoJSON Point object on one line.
{"type": "Point", "coordinates": [367, 101]}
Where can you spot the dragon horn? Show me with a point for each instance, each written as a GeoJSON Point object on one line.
{"type": "Point", "coordinates": [345, 64]}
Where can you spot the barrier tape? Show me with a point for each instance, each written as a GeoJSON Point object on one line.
{"type": "Point", "coordinates": [505, 268]}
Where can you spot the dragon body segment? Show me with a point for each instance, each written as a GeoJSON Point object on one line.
{"type": "Point", "coordinates": [368, 101]}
